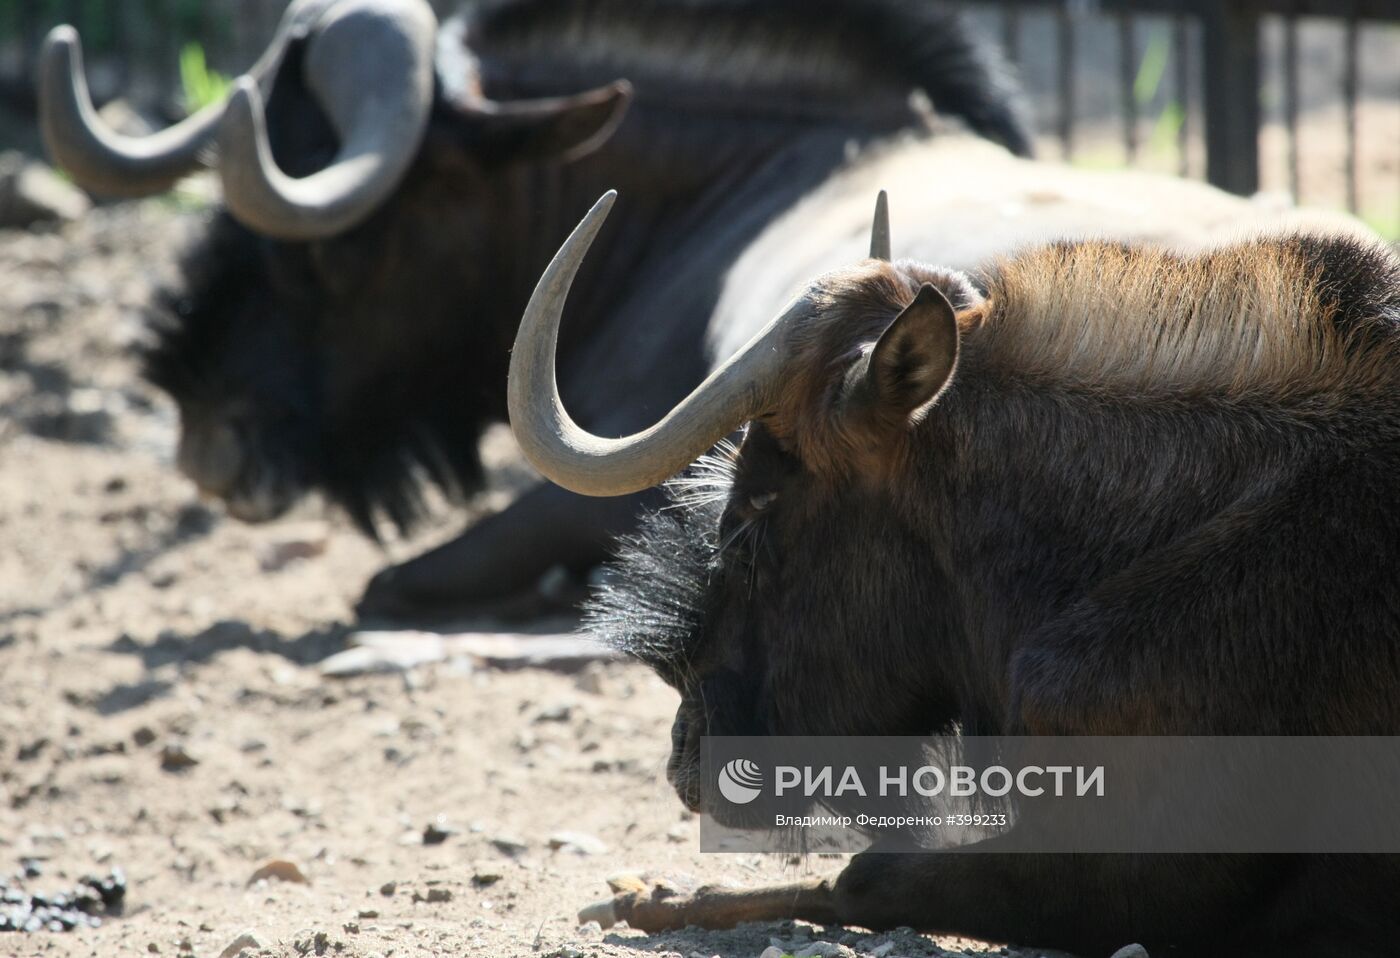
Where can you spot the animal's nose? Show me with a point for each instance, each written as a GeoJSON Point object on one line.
{"type": "Point", "coordinates": [210, 455]}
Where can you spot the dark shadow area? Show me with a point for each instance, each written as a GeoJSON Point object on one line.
{"type": "Point", "coordinates": [130, 695]}
{"type": "Point", "coordinates": [193, 521]}
{"type": "Point", "coordinates": [170, 647]}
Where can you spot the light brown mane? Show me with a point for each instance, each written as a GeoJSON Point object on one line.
{"type": "Point", "coordinates": [1281, 321]}
{"type": "Point", "coordinates": [1247, 320]}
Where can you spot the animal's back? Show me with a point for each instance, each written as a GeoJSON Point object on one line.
{"type": "Point", "coordinates": [765, 54]}
{"type": "Point", "coordinates": [963, 203]}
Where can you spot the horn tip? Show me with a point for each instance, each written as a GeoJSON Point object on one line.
{"type": "Point", "coordinates": [63, 35]}
{"type": "Point", "coordinates": [62, 49]}
{"type": "Point", "coordinates": [880, 229]}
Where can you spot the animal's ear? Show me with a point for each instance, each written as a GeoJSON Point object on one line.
{"type": "Point", "coordinates": [915, 356]}
{"type": "Point", "coordinates": [558, 128]}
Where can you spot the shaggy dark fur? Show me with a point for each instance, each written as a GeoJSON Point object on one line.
{"type": "Point", "coordinates": [1104, 536]}
{"type": "Point", "coordinates": [651, 605]}
{"type": "Point", "coordinates": [362, 364]}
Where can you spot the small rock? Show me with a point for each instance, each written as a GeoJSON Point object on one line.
{"type": "Point", "coordinates": [555, 713]}
{"type": "Point", "coordinates": [823, 949]}
{"type": "Point", "coordinates": [276, 556]}
{"type": "Point", "coordinates": [434, 896]}
{"type": "Point", "coordinates": [279, 869]}
{"type": "Point", "coordinates": [388, 888]}
{"type": "Point", "coordinates": [590, 680]}
{"type": "Point", "coordinates": [31, 192]}
{"type": "Point", "coordinates": [1131, 951]}
{"type": "Point", "coordinates": [772, 951]}
{"type": "Point", "coordinates": [509, 845]}
{"type": "Point", "coordinates": [438, 831]}
{"type": "Point", "coordinates": [164, 579]}
{"type": "Point", "coordinates": [485, 879]}
{"type": "Point", "coordinates": [881, 950]}
{"type": "Point", "coordinates": [174, 757]}
{"type": "Point", "coordinates": [143, 736]}
{"type": "Point", "coordinates": [577, 843]}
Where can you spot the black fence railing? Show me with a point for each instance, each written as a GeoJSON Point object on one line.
{"type": "Point", "coordinates": [1231, 72]}
{"type": "Point", "coordinates": [1210, 55]}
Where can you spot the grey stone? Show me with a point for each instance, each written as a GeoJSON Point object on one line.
{"type": "Point", "coordinates": [31, 192]}
{"type": "Point", "coordinates": [1131, 951]}
{"type": "Point", "coordinates": [244, 942]}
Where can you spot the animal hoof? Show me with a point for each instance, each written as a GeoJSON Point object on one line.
{"type": "Point", "coordinates": [384, 597]}
{"type": "Point", "coordinates": [602, 912]}
{"type": "Point", "coordinates": [647, 903]}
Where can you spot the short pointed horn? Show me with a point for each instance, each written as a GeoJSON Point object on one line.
{"type": "Point", "coordinates": [880, 229]}
{"type": "Point", "coordinates": [97, 158]}
{"type": "Point", "coordinates": [370, 65]}
{"type": "Point", "coordinates": [595, 466]}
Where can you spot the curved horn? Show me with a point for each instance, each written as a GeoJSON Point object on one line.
{"type": "Point", "coordinates": [98, 158]}
{"type": "Point", "coordinates": [593, 466]}
{"type": "Point", "coordinates": [369, 64]}
{"type": "Point", "coordinates": [110, 164]}
{"type": "Point", "coordinates": [880, 229]}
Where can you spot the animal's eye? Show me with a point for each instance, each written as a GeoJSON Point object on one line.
{"type": "Point", "coordinates": [762, 500]}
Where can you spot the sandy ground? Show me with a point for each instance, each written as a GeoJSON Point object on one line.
{"type": "Point", "coordinates": [141, 631]}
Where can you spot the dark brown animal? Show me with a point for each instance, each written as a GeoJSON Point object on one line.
{"type": "Point", "coordinates": [344, 323]}
{"type": "Point", "coordinates": [1120, 491]}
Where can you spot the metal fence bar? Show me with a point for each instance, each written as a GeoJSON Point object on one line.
{"type": "Point", "coordinates": [119, 37]}
{"type": "Point", "coordinates": [1351, 84]}
{"type": "Point", "coordinates": [1011, 30]}
{"type": "Point", "coordinates": [1232, 81]}
{"type": "Point", "coordinates": [1181, 50]}
{"type": "Point", "coordinates": [1291, 98]}
{"type": "Point", "coordinates": [1127, 82]}
{"type": "Point", "coordinates": [1064, 33]}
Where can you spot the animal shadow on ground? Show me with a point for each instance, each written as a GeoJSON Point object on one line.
{"type": "Point", "coordinates": [173, 649]}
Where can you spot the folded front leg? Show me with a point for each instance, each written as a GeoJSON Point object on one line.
{"type": "Point", "coordinates": [662, 905]}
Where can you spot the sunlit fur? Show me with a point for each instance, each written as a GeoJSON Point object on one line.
{"type": "Point", "coordinates": [1276, 322]}
{"type": "Point", "coordinates": [1249, 320]}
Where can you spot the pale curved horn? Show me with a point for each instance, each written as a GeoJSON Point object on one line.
{"type": "Point", "coordinates": [110, 164]}
{"type": "Point", "coordinates": [880, 229]}
{"type": "Point", "coordinates": [593, 466]}
{"type": "Point", "coordinates": [97, 158]}
{"type": "Point", "coordinates": [369, 63]}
